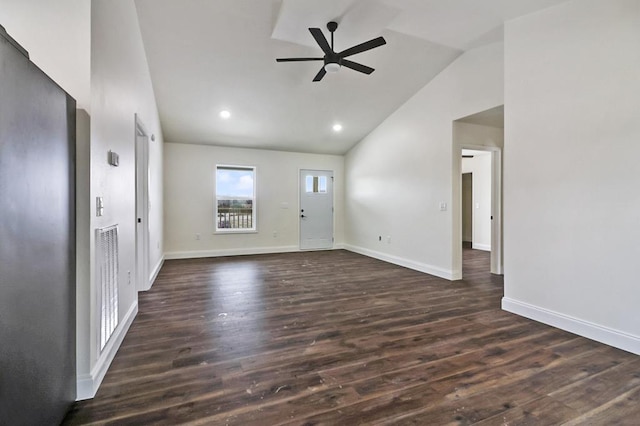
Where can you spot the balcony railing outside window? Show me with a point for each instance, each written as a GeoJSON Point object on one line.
{"type": "Point", "coordinates": [235, 218]}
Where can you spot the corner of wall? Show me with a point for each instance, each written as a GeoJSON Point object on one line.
{"type": "Point", "coordinates": [447, 274]}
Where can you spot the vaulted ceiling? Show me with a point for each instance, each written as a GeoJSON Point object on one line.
{"type": "Point", "coordinates": [206, 56]}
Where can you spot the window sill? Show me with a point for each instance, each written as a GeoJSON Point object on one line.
{"type": "Point", "coordinates": [235, 231]}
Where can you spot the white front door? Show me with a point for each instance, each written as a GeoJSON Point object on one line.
{"type": "Point", "coordinates": [316, 209]}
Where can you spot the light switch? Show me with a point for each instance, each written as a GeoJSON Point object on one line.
{"type": "Point", "coordinates": [99, 206]}
{"type": "Point", "coordinates": [113, 158]}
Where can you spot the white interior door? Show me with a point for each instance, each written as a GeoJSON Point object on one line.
{"type": "Point", "coordinates": [142, 209]}
{"type": "Point", "coordinates": [316, 209]}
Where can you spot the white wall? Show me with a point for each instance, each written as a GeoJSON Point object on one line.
{"type": "Point", "coordinates": [397, 176]}
{"type": "Point", "coordinates": [480, 167]}
{"type": "Point", "coordinates": [57, 36]}
{"type": "Point", "coordinates": [120, 89]}
{"type": "Point", "coordinates": [189, 199]}
{"type": "Point", "coordinates": [572, 97]}
{"type": "Point", "coordinates": [472, 136]}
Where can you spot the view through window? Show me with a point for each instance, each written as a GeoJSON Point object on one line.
{"type": "Point", "coordinates": [235, 198]}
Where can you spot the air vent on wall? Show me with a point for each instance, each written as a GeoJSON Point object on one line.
{"type": "Point", "coordinates": [107, 278]}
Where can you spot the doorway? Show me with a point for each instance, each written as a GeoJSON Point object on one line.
{"type": "Point", "coordinates": [142, 207]}
{"type": "Point", "coordinates": [480, 206]}
{"type": "Point", "coordinates": [316, 209]}
{"type": "Point", "coordinates": [484, 134]}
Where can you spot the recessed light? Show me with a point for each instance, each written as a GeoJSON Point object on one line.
{"type": "Point", "coordinates": [225, 114]}
{"type": "Point", "coordinates": [337, 127]}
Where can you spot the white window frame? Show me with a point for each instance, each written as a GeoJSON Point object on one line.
{"type": "Point", "coordinates": [254, 209]}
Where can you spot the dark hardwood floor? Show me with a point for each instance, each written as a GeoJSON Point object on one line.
{"type": "Point", "coordinates": [335, 338]}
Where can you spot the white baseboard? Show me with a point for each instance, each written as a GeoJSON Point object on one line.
{"type": "Point", "coordinates": [411, 264]}
{"type": "Point", "coordinates": [599, 333]}
{"type": "Point", "coordinates": [239, 252]}
{"type": "Point", "coordinates": [155, 272]}
{"type": "Point", "coordinates": [484, 247]}
{"type": "Point", "coordinates": [230, 252]}
{"type": "Point", "coordinates": [88, 384]}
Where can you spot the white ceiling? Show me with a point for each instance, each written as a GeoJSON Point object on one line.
{"type": "Point", "coordinates": [208, 55]}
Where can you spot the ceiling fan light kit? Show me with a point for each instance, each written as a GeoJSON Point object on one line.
{"type": "Point", "coordinates": [333, 61]}
{"type": "Point", "coordinates": [332, 67]}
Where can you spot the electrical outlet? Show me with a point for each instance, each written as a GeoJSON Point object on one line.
{"type": "Point", "coordinates": [128, 277]}
{"type": "Point", "coordinates": [275, 234]}
{"type": "Point", "coordinates": [197, 236]}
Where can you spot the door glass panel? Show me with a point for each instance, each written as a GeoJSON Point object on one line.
{"type": "Point", "coordinates": [316, 184]}
{"type": "Point", "coordinates": [309, 184]}
{"type": "Point", "coordinates": [322, 184]}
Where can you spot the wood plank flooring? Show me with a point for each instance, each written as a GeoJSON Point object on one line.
{"type": "Point", "coordinates": [335, 338]}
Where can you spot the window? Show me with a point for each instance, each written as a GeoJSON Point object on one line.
{"type": "Point", "coordinates": [316, 184]}
{"type": "Point", "coordinates": [235, 198]}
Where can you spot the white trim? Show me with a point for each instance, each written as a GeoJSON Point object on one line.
{"type": "Point", "coordinates": [411, 264]}
{"type": "Point", "coordinates": [229, 252]}
{"type": "Point", "coordinates": [241, 252]}
{"type": "Point", "coordinates": [141, 157]}
{"type": "Point", "coordinates": [484, 247]}
{"type": "Point", "coordinates": [606, 335]}
{"type": "Point", "coordinates": [156, 271]}
{"type": "Point", "coordinates": [87, 385]}
{"type": "Point", "coordinates": [235, 231]}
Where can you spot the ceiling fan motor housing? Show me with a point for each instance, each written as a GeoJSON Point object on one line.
{"type": "Point", "coordinates": [332, 62]}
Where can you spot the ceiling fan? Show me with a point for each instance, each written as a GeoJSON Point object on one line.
{"type": "Point", "coordinates": [334, 60]}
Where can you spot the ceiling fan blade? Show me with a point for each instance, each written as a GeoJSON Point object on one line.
{"type": "Point", "coordinates": [357, 67]}
{"type": "Point", "coordinates": [320, 39]}
{"type": "Point", "coordinates": [298, 59]}
{"type": "Point", "coordinates": [363, 47]}
{"type": "Point", "coordinates": [320, 74]}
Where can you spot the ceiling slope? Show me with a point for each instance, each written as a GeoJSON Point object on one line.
{"type": "Point", "coordinates": [206, 56]}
